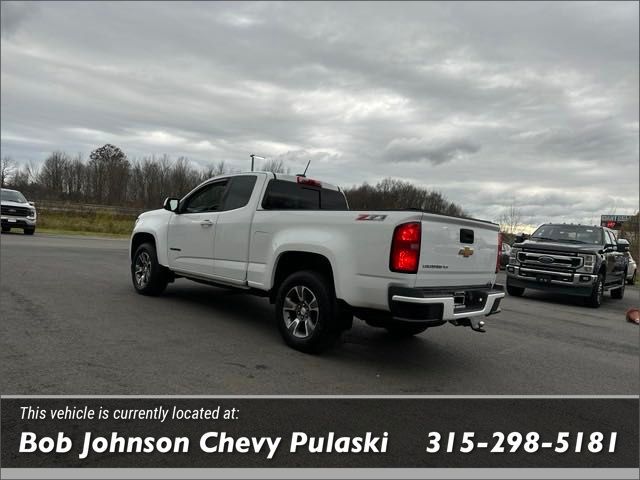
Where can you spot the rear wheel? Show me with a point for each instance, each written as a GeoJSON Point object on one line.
{"type": "Point", "coordinates": [148, 276]}
{"type": "Point", "coordinates": [595, 299]}
{"type": "Point", "coordinates": [618, 293]}
{"type": "Point", "coordinates": [307, 312]}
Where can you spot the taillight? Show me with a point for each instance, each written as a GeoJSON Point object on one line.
{"type": "Point", "coordinates": [499, 252]}
{"type": "Point", "coordinates": [405, 248]}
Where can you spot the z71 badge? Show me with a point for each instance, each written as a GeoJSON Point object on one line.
{"type": "Point", "coordinates": [372, 218]}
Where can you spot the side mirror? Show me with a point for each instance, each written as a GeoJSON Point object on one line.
{"type": "Point", "coordinates": [32, 204]}
{"type": "Point", "coordinates": [170, 204]}
{"type": "Point", "coordinates": [521, 237]}
{"type": "Point", "coordinates": [623, 245]}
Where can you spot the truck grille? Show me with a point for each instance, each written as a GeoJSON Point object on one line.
{"type": "Point", "coordinates": [561, 262]}
{"type": "Point", "coordinates": [15, 211]}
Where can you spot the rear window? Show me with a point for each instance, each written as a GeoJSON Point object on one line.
{"type": "Point", "coordinates": [283, 195]}
{"type": "Point", "coordinates": [332, 200]}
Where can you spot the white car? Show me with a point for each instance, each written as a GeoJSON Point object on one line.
{"type": "Point", "coordinates": [294, 240]}
{"type": "Point", "coordinates": [631, 270]}
{"type": "Point", "coordinates": [17, 212]}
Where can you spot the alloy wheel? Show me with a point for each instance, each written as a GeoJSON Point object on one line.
{"type": "Point", "coordinates": [142, 269]}
{"type": "Point", "coordinates": [300, 311]}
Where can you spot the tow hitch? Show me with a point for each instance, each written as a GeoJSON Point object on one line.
{"type": "Point", "coordinates": [475, 325]}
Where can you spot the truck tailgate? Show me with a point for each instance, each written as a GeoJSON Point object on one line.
{"type": "Point", "coordinates": [456, 252]}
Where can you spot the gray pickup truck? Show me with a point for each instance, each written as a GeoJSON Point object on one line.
{"type": "Point", "coordinates": [569, 259]}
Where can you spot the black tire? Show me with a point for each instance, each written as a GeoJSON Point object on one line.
{"type": "Point", "coordinates": [632, 280]}
{"type": "Point", "coordinates": [307, 312]}
{"type": "Point", "coordinates": [29, 231]}
{"type": "Point", "coordinates": [618, 293]}
{"type": "Point", "coordinates": [147, 275]}
{"type": "Point", "coordinates": [406, 329]}
{"type": "Point", "coordinates": [6, 229]}
{"type": "Point", "coordinates": [597, 292]}
{"type": "Point", "coordinates": [514, 291]}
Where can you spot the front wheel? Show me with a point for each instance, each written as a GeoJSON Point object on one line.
{"type": "Point", "coordinates": [29, 231]}
{"type": "Point", "coordinates": [595, 299]}
{"type": "Point", "coordinates": [514, 291]}
{"type": "Point", "coordinates": [307, 312]}
{"type": "Point", "coordinates": [632, 280]}
{"type": "Point", "coordinates": [148, 276]}
{"type": "Point", "coordinates": [6, 229]}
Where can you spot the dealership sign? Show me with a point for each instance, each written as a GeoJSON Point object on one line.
{"type": "Point", "coordinates": [613, 221]}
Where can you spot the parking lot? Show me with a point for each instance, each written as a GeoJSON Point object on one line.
{"type": "Point", "coordinates": [72, 324]}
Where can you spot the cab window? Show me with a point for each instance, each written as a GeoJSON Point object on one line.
{"type": "Point", "coordinates": [207, 199]}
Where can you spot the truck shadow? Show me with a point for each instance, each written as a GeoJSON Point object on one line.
{"type": "Point", "coordinates": [608, 303]}
{"type": "Point", "coordinates": [364, 346]}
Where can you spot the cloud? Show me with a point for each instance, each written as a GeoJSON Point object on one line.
{"type": "Point", "coordinates": [535, 103]}
{"type": "Point", "coordinates": [14, 14]}
{"type": "Point", "coordinates": [436, 152]}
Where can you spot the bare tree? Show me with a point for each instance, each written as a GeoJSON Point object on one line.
{"type": "Point", "coordinates": [275, 165]}
{"type": "Point", "coordinates": [109, 173]}
{"type": "Point", "coordinates": [510, 220]}
{"type": "Point", "coordinates": [219, 168]}
{"type": "Point", "coordinates": [7, 170]}
{"type": "Point", "coordinates": [396, 194]}
{"type": "Point", "coordinates": [631, 231]}
{"type": "Point", "coordinates": [52, 173]}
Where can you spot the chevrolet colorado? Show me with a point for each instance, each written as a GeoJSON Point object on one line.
{"type": "Point", "coordinates": [579, 260]}
{"type": "Point", "coordinates": [294, 240]}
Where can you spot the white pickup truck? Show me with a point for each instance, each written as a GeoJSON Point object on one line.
{"type": "Point", "coordinates": [294, 240]}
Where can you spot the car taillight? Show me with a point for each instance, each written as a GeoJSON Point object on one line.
{"type": "Point", "coordinates": [405, 248]}
{"type": "Point", "coordinates": [499, 252]}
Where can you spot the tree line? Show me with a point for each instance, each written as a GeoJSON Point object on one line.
{"type": "Point", "coordinates": [109, 177]}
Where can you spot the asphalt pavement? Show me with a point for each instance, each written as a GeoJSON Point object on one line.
{"type": "Point", "coordinates": [71, 323]}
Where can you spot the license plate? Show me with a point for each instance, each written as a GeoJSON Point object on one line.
{"type": "Point", "coordinates": [545, 279]}
{"type": "Point", "coordinates": [12, 220]}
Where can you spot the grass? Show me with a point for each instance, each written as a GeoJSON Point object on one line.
{"type": "Point", "coordinates": [85, 223]}
{"type": "Point", "coordinates": [54, 231]}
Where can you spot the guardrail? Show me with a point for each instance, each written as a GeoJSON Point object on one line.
{"type": "Point", "coordinates": [59, 206]}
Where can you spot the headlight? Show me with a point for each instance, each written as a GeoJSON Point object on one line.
{"type": "Point", "coordinates": [513, 258]}
{"type": "Point", "coordinates": [32, 213]}
{"type": "Point", "coordinates": [588, 263]}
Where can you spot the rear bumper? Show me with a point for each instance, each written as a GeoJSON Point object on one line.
{"type": "Point", "coordinates": [419, 305]}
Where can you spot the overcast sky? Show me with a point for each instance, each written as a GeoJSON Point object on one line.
{"type": "Point", "coordinates": [534, 104]}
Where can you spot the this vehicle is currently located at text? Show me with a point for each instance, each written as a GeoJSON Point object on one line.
{"type": "Point", "coordinates": [294, 240]}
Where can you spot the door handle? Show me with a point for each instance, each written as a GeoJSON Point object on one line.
{"type": "Point", "coordinates": [206, 223]}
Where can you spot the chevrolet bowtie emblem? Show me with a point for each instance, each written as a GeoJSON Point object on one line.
{"type": "Point", "coordinates": [466, 252]}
